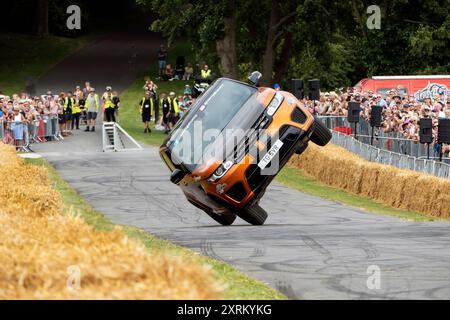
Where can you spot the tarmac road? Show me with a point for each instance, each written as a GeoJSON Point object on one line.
{"type": "Point", "coordinates": [114, 60]}
{"type": "Point", "coordinates": [309, 248]}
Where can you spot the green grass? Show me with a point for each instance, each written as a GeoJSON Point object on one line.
{"type": "Point", "coordinates": [238, 285]}
{"type": "Point", "coordinates": [296, 179]}
{"type": "Point", "coordinates": [25, 57]}
{"type": "Point", "coordinates": [129, 117]}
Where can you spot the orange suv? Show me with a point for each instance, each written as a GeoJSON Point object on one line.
{"type": "Point", "coordinates": [232, 143]}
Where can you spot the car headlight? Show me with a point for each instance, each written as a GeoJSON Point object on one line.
{"type": "Point", "coordinates": [220, 171]}
{"type": "Point", "coordinates": [275, 103]}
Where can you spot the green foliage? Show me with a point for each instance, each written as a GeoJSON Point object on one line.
{"type": "Point", "coordinates": [200, 22]}
{"type": "Point", "coordinates": [330, 38]}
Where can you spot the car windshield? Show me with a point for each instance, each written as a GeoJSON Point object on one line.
{"type": "Point", "coordinates": [210, 114]}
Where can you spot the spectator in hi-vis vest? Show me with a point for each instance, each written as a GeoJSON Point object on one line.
{"type": "Point", "coordinates": [205, 73]}
{"type": "Point", "coordinates": [69, 102]}
{"type": "Point", "coordinates": [174, 112]}
{"type": "Point", "coordinates": [109, 107]}
{"type": "Point", "coordinates": [92, 104]}
{"type": "Point", "coordinates": [76, 114]}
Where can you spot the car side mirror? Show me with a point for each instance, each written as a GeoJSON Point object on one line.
{"type": "Point", "coordinates": [254, 78]}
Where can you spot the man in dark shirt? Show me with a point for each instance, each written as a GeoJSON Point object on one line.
{"type": "Point", "coordinates": [162, 58]}
{"type": "Point", "coordinates": [116, 102]}
{"type": "Point", "coordinates": [146, 109]}
{"type": "Point", "coordinates": [164, 104]}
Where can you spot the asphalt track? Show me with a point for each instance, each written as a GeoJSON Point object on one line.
{"type": "Point", "coordinates": [115, 59]}
{"type": "Point", "coordinates": [309, 248]}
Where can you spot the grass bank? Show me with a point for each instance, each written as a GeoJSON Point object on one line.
{"type": "Point", "coordinates": [25, 57]}
{"type": "Point", "coordinates": [237, 285]}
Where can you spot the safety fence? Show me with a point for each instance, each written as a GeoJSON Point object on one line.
{"type": "Point", "coordinates": [22, 134]}
{"type": "Point", "coordinates": [402, 161]}
{"type": "Point", "coordinates": [390, 141]}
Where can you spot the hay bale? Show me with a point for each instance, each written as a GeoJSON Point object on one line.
{"type": "Point", "coordinates": [47, 255]}
{"type": "Point", "coordinates": [403, 189]}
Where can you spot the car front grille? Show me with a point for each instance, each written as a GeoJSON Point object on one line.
{"type": "Point", "coordinates": [290, 136]}
{"type": "Point", "coordinates": [253, 176]}
{"type": "Point", "coordinates": [243, 147]}
{"type": "Point", "coordinates": [237, 192]}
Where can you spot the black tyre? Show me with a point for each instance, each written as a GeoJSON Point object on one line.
{"type": "Point", "coordinates": [254, 215]}
{"type": "Point", "coordinates": [226, 217]}
{"type": "Point", "coordinates": [321, 134]}
{"type": "Point", "coordinates": [302, 148]}
{"type": "Point", "coordinates": [224, 220]}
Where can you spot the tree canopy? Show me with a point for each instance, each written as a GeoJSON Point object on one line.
{"type": "Point", "coordinates": [324, 39]}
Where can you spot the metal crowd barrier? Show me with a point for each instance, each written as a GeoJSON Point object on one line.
{"type": "Point", "coordinates": [402, 161]}
{"type": "Point", "coordinates": [22, 134]}
{"type": "Point", "coordinates": [390, 141]}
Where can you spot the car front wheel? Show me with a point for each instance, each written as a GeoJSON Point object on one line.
{"type": "Point", "coordinates": [254, 215]}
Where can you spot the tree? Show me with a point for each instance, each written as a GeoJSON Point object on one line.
{"type": "Point", "coordinates": [323, 39]}
{"type": "Point", "coordinates": [276, 29]}
{"type": "Point", "coordinates": [208, 24]}
{"type": "Point", "coordinates": [41, 18]}
{"type": "Point", "coordinates": [226, 47]}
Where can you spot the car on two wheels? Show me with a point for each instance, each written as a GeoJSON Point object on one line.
{"type": "Point", "coordinates": [232, 143]}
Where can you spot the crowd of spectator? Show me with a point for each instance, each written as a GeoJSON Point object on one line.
{"type": "Point", "coordinates": [63, 112]}
{"type": "Point", "coordinates": [401, 113]}
{"type": "Point", "coordinates": [53, 116]}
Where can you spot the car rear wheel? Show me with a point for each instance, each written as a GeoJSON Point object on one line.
{"type": "Point", "coordinates": [254, 215]}
{"type": "Point", "coordinates": [321, 134]}
{"type": "Point", "coordinates": [225, 220]}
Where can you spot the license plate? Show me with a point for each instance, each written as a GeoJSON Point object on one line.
{"type": "Point", "coordinates": [270, 154]}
